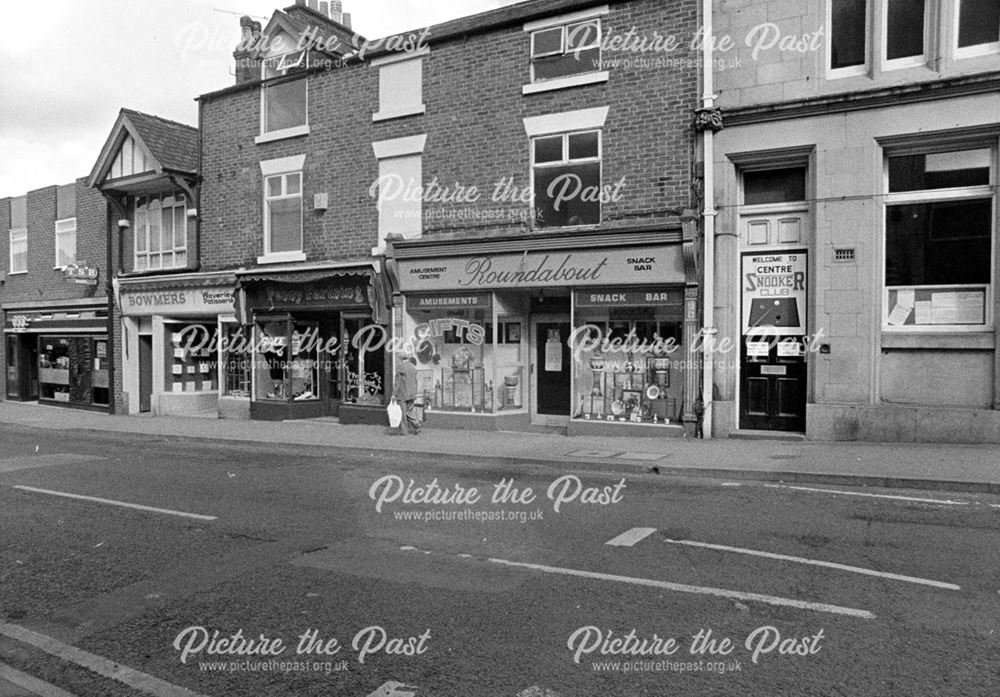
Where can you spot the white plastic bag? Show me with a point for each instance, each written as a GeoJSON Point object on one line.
{"type": "Point", "coordinates": [395, 413]}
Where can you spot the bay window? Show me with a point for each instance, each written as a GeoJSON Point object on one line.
{"type": "Point", "coordinates": [160, 232]}
{"type": "Point", "coordinates": [939, 228]}
{"type": "Point", "coordinates": [566, 173]}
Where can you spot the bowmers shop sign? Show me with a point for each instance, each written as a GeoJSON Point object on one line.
{"type": "Point", "coordinates": [177, 301]}
{"type": "Point", "coordinates": [628, 265]}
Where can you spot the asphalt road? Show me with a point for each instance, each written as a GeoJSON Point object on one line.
{"type": "Point", "coordinates": [386, 602]}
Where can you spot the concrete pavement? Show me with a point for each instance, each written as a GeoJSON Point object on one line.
{"type": "Point", "coordinates": [973, 468]}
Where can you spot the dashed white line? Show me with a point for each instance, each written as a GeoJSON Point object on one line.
{"type": "Point", "coordinates": [102, 666]}
{"type": "Point", "coordinates": [30, 683]}
{"type": "Point", "coordinates": [111, 502]}
{"type": "Point", "coordinates": [697, 590]}
{"type": "Point", "coordinates": [814, 562]}
{"type": "Point", "coordinates": [630, 538]}
{"type": "Point", "coordinates": [942, 502]}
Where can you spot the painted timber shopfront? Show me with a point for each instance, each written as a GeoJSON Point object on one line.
{"type": "Point", "coordinates": [171, 358]}
{"type": "Point", "coordinates": [58, 353]}
{"type": "Point", "coordinates": [578, 333]}
{"type": "Point", "coordinates": [317, 341]}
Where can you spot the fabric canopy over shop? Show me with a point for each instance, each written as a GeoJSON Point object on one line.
{"type": "Point", "coordinates": [249, 298]}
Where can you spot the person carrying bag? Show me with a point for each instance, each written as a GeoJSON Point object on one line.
{"type": "Point", "coordinates": [405, 394]}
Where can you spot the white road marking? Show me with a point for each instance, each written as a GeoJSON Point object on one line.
{"type": "Point", "coordinates": [943, 502]}
{"type": "Point", "coordinates": [102, 666]}
{"type": "Point", "coordinates": [632, 537]}
{"type": "Point", "coordinates": [30, 683]}
{"type": "Point", "coordinates": [697, 590]}
{"type": "Point", "coordinates": [111, 502]}
{"type": "Point", "coordinates": [395, 689]}
{"type": "Point", "coordinates": [814, 562]}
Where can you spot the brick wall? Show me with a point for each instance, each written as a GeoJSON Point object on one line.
{"type": "Point", "coordinates": [43, 281]}
{"type": "Point", "coordinates": [475, 136]}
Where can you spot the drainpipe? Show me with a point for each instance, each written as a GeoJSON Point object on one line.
{"type": "Point", "coordinates": [709, 330]}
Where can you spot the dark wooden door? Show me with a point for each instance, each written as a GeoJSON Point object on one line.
{"type": "Point", "coordinates": [145, 374]}
{"type": "Point", "coordinates": [773, 389]}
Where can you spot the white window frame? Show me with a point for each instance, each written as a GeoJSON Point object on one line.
{"type": "Point", "coordinates": [286, 62]}
{"type": "Point", "coordinates": [389, 63]}
{"type": "Point", "coordinates": [853, 70]}
{"type": "Point", "coordinates": [907, 61]}
{"type": "Point", "coordinates": [148, 253]}
{"type": "Point", "coordinates": [975, 50]}
{"type": "Point", "coordinates": [283, 167]}
{"type": "Point", "coordinates": [970, 193]}
{"type": "Point", "coordinates": [68, 226]}
{"type": "Point", "coordinates": [22, 238]}
{"type": "Point", "coordinates": [564, 162]}
{"type": "Point", "coordinates": [591, 77]}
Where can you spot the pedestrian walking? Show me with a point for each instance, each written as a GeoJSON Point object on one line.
{"type": "Point", "coordinates": [405, 392]}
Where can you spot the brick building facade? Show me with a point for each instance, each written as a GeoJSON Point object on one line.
{"type": "Point", "coordinates": [53, 297]}
{"type": "Point", "coordinates": [522, 139]}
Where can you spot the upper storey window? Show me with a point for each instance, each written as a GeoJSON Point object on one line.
{"type": "Point", "coordinates": [565, 51]}
{"type": "Point", "coordinates": [284, 111]}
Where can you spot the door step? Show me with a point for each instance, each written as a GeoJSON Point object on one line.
{"type": "Point", "coordinates": [747, 434]}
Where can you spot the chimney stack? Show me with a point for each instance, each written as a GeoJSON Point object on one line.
{"type": "Point", "coordinates": [247, 66]}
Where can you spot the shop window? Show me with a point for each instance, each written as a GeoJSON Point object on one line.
{"type": "Point", "coordinates": [284, 103]}
{"type": "Point", "coordinates": [566, 170]}
{"type": "Point", "coordinates": [939, 239]}
{"type": "Point", "coordinates": [160, 232]}
{"type": "Point", "coordinates": [848, 35]}
{"type": "Point", "coordinates": [460, 368]}
{"type": "Point", "coordinates": [286, 361]}
{"type": "Point", "coordinates": [401, 87]}
{"type": "Point", "coordinates": [237, 359]}
{"type": "Point", "coordinates": [978, 26]}
{"type": "Point", "coordinates": [73, 370]}
{"type": "Point", "coordinates": [191, 368]}
{"type": "Point", "coordinates": [363, 372]}
{"type": "Point", "coordinates": [628, 347]}
{"type": "Point", "coordinates": [283, 213]}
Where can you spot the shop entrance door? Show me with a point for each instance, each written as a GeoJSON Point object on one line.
{"type": "Point", "coordinates": [145, 374]}
{"type": "Point", "coordinates": [773, 385]}
{"type": "Point", "coordinates": [552, 368]}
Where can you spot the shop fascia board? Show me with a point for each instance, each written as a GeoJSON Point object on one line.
{"type": "Point", "coordinates": [98, 302]}
{"type": "Point", "coordinates": [670, 235]}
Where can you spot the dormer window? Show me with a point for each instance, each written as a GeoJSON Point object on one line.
{"type": "Point", "coordinates": [284, 103]}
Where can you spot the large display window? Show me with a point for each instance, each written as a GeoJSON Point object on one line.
{"type": "Point", "coordinates": [189, 368]}
{"type": "Point", "coordinates": [629, 353]}
{"type": "Point", "coordinates": [73, 370]}
{"type": "Point", "coordinates": [469, 351]}
{"type": "Point", "coordinates": [286, 360]}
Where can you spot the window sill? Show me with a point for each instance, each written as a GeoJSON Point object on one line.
{"type": "Point", "coordinates": [976, 340]}
{"type": "Point", "coordinates": [284, 133]}
{"type": "Point", "coordinates": [17, 273]}
{"type": "Point", "coordinates": [566, 82]}
{"type": "Point", "coordinates": [281, 258]}
{"type": "Point", "coordinates": [399, 113]}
